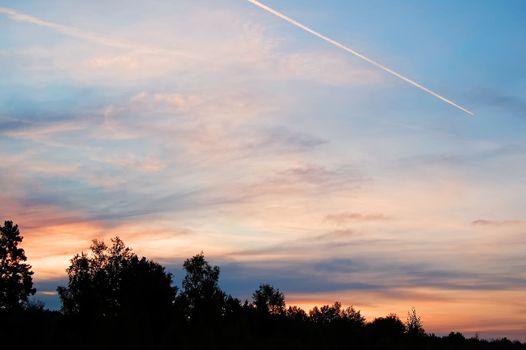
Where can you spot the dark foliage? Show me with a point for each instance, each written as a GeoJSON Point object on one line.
{"type": "Point", "coordinates": [111, 290]}
{"type": "Point", "coordinates": [414, 324]}
{"type": "Point", "coordinates": [16, 283]}
{"type": "Point", "coordinates": [269, 300]}
{"type": "Point", "coordinates": [113, 282]}
{"type": "Point", "coordinates": [386, 332]}
{"type": "Point", "coordinates": [201, 298]}
{"type": "Point", "coordinates": [116, 300]}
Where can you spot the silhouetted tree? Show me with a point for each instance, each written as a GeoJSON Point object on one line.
{"type": "Point", "coordinates": [297, 314]}
{"type": "Point", "coordinates": [386, 331]}
{"type": "Point", "coordinates": [269, 300]}
{"type": "Point", "coordinates": [145, 288]}
{"type": "Point", "coordinates": [351, 316]}
{"type": "Point", "coordinates": [414, 324]}
{"type": "Point", "coordinates": [414, 330]}
{"type": "Point", "coordinates": [326, 314]}
{"type": "Point", "coordinates": [113, 282]}
{"type": "Point", "coordinates": [201, 297]}
{"type": "Point", "coordinates": [232, 307]}
{"type": "Point", "coordinates": [16, 283]}
{"type": "Point", "coordinates": [455, 340]}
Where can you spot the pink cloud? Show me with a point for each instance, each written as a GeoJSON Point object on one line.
{"type": "Point", "coordinates": [342, 218]}
{"type": "Point", "coordinates": [484, 222]}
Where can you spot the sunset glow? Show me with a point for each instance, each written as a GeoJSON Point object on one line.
{"type": "Point", "coordinates": [188, 126]}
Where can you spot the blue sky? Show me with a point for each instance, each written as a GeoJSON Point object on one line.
{"type": "Point", "coordinates": [194, 125]}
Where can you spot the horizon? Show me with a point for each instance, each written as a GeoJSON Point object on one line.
{"type": "Point", "coordinates": [192, 126]}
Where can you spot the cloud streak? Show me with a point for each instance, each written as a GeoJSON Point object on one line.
{"type": "Point", "coordinates": [357, 54]}
{"type": "Point", "coordinates": [342, 218]}
{"type": "Point", "coordinates": [484, 222]}
{"type": "Point", "coordinates": [85, 35]}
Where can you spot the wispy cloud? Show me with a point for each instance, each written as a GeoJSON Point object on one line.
{"type": "Point", "coordinates": [85, 35]}
{"type": "Point", "coordinates": [247, 49]}
{"type": "Point", "coordinates": [357, 54]}
{"type": "Point", "coordinates": [346, 217]}
{"type": "Point", "coordinates": [497, 223]}
{"type": "Point", "coordinates": [510, 103]}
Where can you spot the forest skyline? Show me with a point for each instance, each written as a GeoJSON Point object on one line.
{"type": "Point", "coordinates": [111, 291]}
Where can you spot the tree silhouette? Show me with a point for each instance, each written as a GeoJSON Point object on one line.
{"type": "Point", "coordinates": [387, 331]}
{"type": "Point", "coordinates": [352, 316]}
{"type": "Point", "coordinates": [414, 330]}
{"type": "Point", "coordinates": [414, 324]}
{"type": "Point", "coordinates": [113, 282]}
{"type": "Point", "coordinates": [297, 314]}
{"type": "Point", "coordinates": [16, 283]}
{"type": "Point", "coordinates": [269, 300]}
{"type": "Point", "coordinates": [328, 314]}
{"type": "Point", "coordinates": [201, 297]}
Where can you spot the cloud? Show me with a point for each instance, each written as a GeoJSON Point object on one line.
{"type": "Point", "coordinates": [342, 234]}
{"type": "Point", "coordinates": [112, 62]}
{"type": "Point", "coordinates": [474, 155]}
{"type": "Point", "coordinates": [42, 131]}
{"type": "Point", "coordinates": [299, 182]}
{"type": "Point", "coordinates": [498, 223]}
{"type": "Point", "coordinates": [240, 48]}
{"type": "Point", "coordinates": [506, 102]}
{"type": "Point", "coordinates": [346, 217]}
{"type": "Point", "coordinates": [306, 174]}
{"type": "Point", "coordinates": [326, 68]}
{"type": "Point", "coordinates": [84, 35]}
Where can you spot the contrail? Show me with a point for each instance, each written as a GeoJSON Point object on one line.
{"type": "Point", "coordinates": [87, 36]}
{"type": "Point", "coordinates": [65, 30]}
{"type": "Point", "coordinates": [348, 49]}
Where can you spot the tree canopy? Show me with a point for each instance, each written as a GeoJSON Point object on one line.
{"type": "Point", "coordinates": [114, 282]}
{"type": "Point", "coordinates": [201, 296]}
{"type": "Point", "coordinates": [414, 324]}
{"type": "Point", "coordinates": [269, 300]}
{"type": "Point", "coordinates": [16, 282]}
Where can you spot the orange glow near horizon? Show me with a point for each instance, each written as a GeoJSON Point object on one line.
{"type": "Point", "coordinates": [451, 311]}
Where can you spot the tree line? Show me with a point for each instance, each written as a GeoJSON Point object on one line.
{"type": "Point", "coordinates": [115, 299]}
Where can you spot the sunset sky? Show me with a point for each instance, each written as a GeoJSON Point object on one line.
{"type": "Point", "coordinates": [195, 125]}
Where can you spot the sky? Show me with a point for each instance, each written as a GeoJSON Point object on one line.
{"type": "Point", "coordinates": [214, 126]}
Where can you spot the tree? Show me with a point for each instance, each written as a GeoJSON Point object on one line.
{"type": "Point", "coordinates": [112, 282]}
{"type": "Point", "coordinates": [16, 283]}
{"type": "Point", "coordinates": [296, 313]}
{"type": "Point", "coordinates": [387, 330]}
{"type": "Point", "coordinates": [145, 291]}
{"type": "Point", "coordinates": [269, 300]}
{"type": "Point", "coordinates": [414, 324]}
{"type": "Point", "coordinates": [201, 297]}
{"type": "Point", "coordinates": [327, 314]}
{"type": "Point", "coordinates": [352, 316]}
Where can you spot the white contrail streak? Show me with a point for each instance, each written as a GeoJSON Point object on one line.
{"type": "Point", "coordinates": [87, 36]}
{"type": "Point", "coordinates": [348, 49]}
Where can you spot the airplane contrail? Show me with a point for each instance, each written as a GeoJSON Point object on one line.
{"type": "Point", "coordinates": [87, 36]}
{"type": "Point", "coordinates": [355, 53]}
